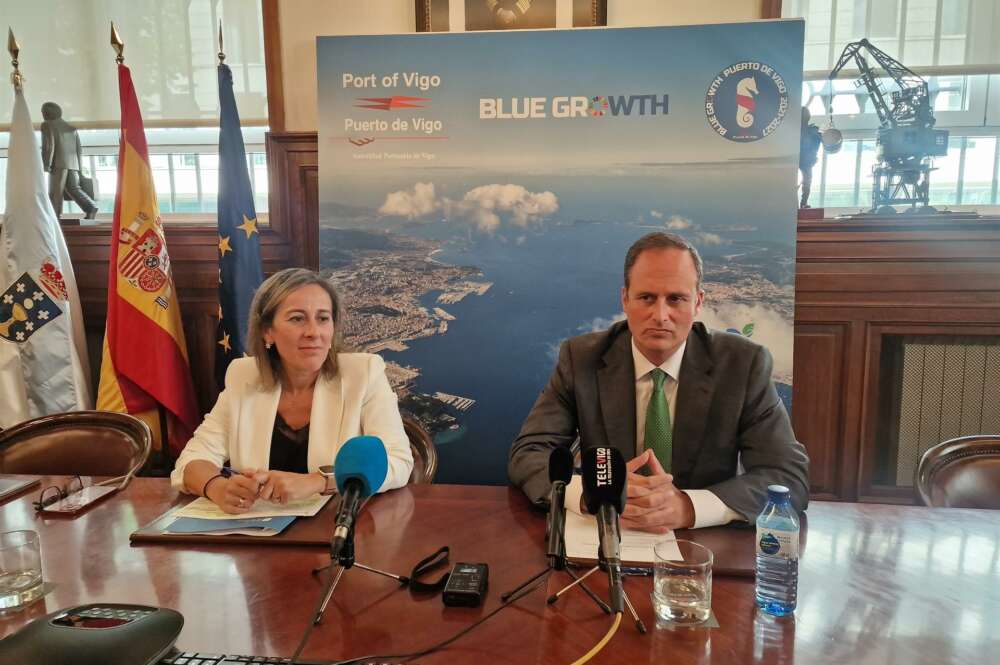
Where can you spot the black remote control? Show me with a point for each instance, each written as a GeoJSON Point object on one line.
{"type": "Point", "coordinates": [466, 585]}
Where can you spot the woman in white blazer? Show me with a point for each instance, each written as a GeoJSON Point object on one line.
{"type": "Point", "coordinates": [286, 409]}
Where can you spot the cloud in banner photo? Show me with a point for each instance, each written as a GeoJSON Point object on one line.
{"type": "Point", "coordinates": [485, 206]}
{"type": "Point", "coordinates": [686, 227]}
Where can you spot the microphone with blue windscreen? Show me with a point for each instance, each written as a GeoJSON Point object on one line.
{"type": "Point", "coordinates": [360, 469]}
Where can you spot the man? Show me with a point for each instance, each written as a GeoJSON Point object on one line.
{"type": "Point", "coordinates": [62, 157]}
{"type": "Point", "coordinates": [687, 406]}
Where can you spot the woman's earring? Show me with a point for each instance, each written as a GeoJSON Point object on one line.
{"type": "Point", "coordinates": [268, 345]}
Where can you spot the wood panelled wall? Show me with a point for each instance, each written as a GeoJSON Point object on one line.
{"type": "Point", "coordinates": [856, 281]}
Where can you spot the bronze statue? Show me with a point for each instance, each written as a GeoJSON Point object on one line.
{"type": "Point", "coordinates": [62, 157]}
{"type": "Point", "coordinates": [809, 142]}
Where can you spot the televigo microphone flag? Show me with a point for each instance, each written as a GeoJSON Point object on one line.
{"type": "Point", "coordinates": [144, 365]}
{"type": "Point", "coordinates": [43, 351]}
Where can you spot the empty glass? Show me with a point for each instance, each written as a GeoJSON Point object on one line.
{"type": "Point", "coordinates": [20, 569]}
{"type": "Point", "coordinates": [682, 581]}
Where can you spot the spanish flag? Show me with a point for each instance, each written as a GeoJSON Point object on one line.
{"type": "Point", "coordinates": [144, 367]}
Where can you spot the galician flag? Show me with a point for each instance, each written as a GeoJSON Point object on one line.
{"type": "Point", "coordinates": [43, 351]}
{"type": "Point", "coordinates": [239, 241]}
{"type": "Point", "coordinates": [144, 367]}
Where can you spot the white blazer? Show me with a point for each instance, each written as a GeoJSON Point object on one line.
{"type": "Point", "coordinates": [357, 401]}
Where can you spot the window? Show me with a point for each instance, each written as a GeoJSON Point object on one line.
{"type": "Point", "coordinates": [171, 47]}
{"type": "Point", "coordinates": [966, 176]}
{"type": "Point", "coordinates": [949, 43]}
{"type": "Point", "coordinates": [185, 166]}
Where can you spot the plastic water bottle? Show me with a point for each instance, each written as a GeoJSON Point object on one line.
{"type": "Point", "coordinates": [777, 585]}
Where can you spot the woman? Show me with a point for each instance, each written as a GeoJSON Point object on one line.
{"type": "Point", "coordinates": [286, 410]}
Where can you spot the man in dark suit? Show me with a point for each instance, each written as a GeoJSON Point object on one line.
{"type": "Point", "coordinates": [695, 411]}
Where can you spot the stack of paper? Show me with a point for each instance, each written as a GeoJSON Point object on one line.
{"type": "Point", "coordinates": [267, 519]}
{"type": "Point", "coordinates": [636, 547]}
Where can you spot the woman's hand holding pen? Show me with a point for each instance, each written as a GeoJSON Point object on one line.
{"type": "Point", "coordinates": [235, 492]}
{"type": "Point", "coordinates": [284, 486]}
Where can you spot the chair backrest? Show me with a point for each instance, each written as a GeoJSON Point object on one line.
{"type": "Point", "coordinates": [425, 457]}
{"type": "Point", "coordinates": [961, 473]}
{"type": "Point", "coordinates": [85, 443]}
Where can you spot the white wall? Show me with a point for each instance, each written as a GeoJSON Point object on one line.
{"type": "Point", "coordinates": [302, 20]}
{"type": "Point", "coordinates": [630, 13]}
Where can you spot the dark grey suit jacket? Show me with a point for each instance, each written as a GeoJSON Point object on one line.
{"type": "Point", "coordinates": [727, 410]}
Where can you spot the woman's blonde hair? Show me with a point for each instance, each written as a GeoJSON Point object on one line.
{"type": "Point", "coordinates": [265, 305]}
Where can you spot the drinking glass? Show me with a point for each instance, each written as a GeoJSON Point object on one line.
{"type": "Point", "coordinates": [20, 569]}
{"type": "Point", "coordinates": [682, 581]}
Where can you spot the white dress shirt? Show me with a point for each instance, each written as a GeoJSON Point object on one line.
{"type": "Point", "coordinates": [709, 510]}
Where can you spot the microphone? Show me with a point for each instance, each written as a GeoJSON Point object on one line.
{"type": "Point", "coordinates": [360, 469]}
{"type": "Point", "coordinates": [560, 473]}
{"type": "Point", "coordinates": [604, 475]}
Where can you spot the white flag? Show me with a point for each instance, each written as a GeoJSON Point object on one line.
{"type": "Point", "coordinates": [43, 351]}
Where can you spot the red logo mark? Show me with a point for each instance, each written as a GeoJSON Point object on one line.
{"type": "Point", "coordinates": [394, 102]}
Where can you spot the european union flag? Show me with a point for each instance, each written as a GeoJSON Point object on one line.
{"type": "Point", "coordinates": [239, 240]}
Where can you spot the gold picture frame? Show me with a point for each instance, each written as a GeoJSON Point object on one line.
{"type": "Point", "coordinates": [433, 15]}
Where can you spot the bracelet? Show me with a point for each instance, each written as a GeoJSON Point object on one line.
{"type": "Point", "coordinates": [204, 488]}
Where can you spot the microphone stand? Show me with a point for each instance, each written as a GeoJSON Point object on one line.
{"type": "Point", "coordinates": [602, 565]}
{"type": "Point", "coordinates": [344, 560]}
{"type": "Point", "coordinates": [558, 562]}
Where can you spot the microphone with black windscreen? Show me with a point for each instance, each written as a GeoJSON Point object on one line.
{"type": "Point", "coordinates": [604, 492]}
{"type": "Point", "coordinates": [360, 469]}
{"type": "Point", "coordinates": [560, 473]}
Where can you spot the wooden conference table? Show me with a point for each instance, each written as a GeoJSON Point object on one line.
{"type": "Point", "coordinates": [878, 584]}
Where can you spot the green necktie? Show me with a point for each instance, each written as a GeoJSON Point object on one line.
{"type": "Point", "coordinates": [659, 431]}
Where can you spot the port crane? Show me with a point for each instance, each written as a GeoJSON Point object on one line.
{"type": "Point", "coordinates": [906, 142]}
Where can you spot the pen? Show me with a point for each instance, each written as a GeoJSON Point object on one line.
{"type": "Point", "coordinates": [636, 570]}
{"type": "Point", "coordinates": [229, 472]}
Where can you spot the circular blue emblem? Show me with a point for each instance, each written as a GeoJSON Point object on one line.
{"type": "Point", "coordinates": [746, 101]}
{"type": "Point", "coordinates": [769, 544]}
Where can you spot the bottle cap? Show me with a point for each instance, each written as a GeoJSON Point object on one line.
{"type": "Point", "coordinates": [777, 493]}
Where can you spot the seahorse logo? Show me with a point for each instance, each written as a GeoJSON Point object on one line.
{"type": "Point", "coordinates": [746, 92]}
{"type": "Point", "coordinates": [746, 101]}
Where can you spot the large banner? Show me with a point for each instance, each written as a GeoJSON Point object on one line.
{"type": "Point", "coordinates": [478, 193]}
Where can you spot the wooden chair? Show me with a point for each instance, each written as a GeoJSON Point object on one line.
{"type": "Point", "coordinates": [85, 443]}
{"type": "Point", "coordinates": [961, 473]}
{"type": "Point", "coordinates": [425, 458]}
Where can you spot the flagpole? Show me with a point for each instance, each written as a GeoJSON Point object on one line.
{"type": "Point", "coordinates": [222, 54]}
{"type": "Point", "coordinates": [117, 44]}
{"type": "Point", "coordinates": [16, 78]}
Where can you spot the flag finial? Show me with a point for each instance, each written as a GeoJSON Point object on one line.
{"type": "Point", "coordinates": [222, 54]}
{"type": "Point", "coordinates": [13, 48]}
{"type": "Point", "coordinates": [118, 44]}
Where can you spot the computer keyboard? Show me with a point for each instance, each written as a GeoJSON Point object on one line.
{"type": "Point", "coordinates": [193, 658]}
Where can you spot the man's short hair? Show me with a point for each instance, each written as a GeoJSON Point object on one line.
{"type": "Point", "coordinates": [661, 240]}
{"type": "Point", "coordinates": [51, 111]}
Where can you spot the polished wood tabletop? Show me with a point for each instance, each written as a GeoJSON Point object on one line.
{"type": "Point", "coordinates": [878, 584]}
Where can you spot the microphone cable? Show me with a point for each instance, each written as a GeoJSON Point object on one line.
{"type": "Point", "coordinates": [604, 640]}
{"type": "Point", "coordinates": [440, 645]}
